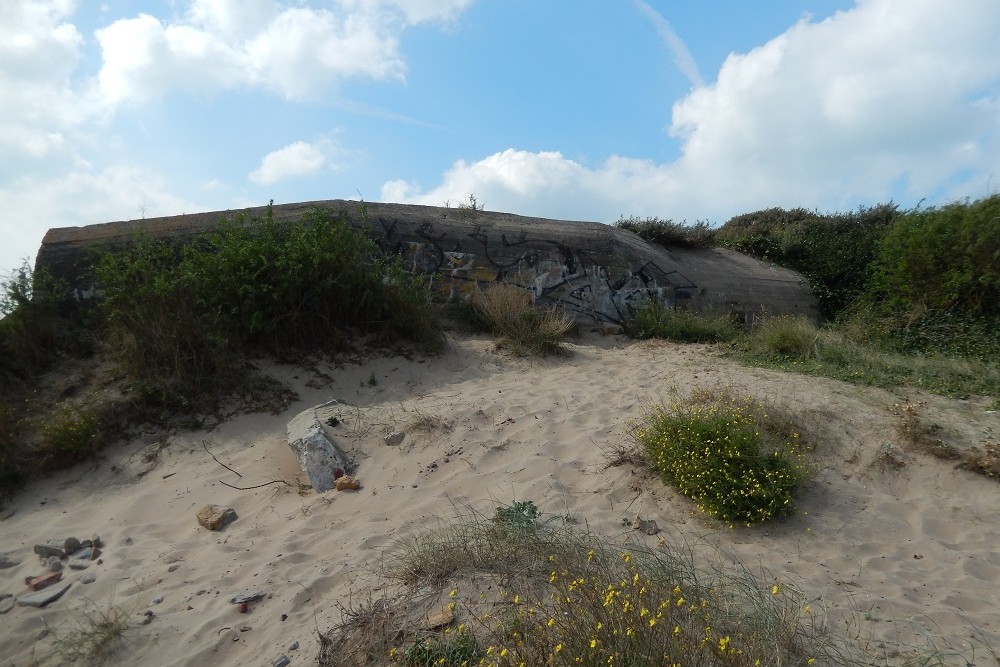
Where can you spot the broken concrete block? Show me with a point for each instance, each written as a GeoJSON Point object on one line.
{"type": "Point", "coordinates": [315, 451]}
{"type": "Point", "coordinates": [215, 517]}
{"type": "Point", "coordinates": [43, 597]}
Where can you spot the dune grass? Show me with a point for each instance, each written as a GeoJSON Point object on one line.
{"type": "Point", "coordinates": [511, 317]}
{"type": "Point", "coordinates": [540, 591]}
{"type": "Point", "coordinates": [654, 320]}
{"type": "Point", "coordinates": [796, 344]}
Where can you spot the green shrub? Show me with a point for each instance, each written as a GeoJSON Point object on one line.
{"type": "Point", "coordinates": [38, 323]}
{"type": "Point", "coordinates": [182, 317]}
{"type": "Point", "coordinates": [726, 454]}
{"type": "Point", "coordinates": [668, 233]}
{"type": "Point", "coordinates": [943, 259]}
{"type": "Point", "coordinates": [511, 316]}
{"type": "Point", "coordinates": [836, 252]}
{"type": "Point", "coordinates": [68, 437]}
{"type": "Point", "coordinates": [654, 320]}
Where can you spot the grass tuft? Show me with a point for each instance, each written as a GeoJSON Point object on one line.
{"type": "Point", "coordinates": [796, 344]}
{"type": "Point", "coordinates": [654, 320]}
{"type": "Point", "coordinates": [96, 637]}
{"type": "Point", "coordinates": [514, 320]}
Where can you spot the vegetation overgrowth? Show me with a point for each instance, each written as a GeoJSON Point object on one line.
{"type": "Point", "coordinates": [182, 318]}
{"type": "Point", "coordinates": [177, 323]}
{"type": "Point", "coordinates": [540, 590]}
{"type": "Point", "coordinates": [730, 454]}
{"type": "Point", "coordinates": [910, 297]}
{"type": "Point", "coordinates": [654, 320]}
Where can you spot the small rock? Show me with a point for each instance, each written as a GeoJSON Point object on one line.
{"type": "Point", "coordinates": [45, 551]}
{"type": "Point", "coordinates": [86, 543]}
{"type": "Point", "coordinates": [86, 553]}
{"type": "Point", "coordinates": [173, 568]}
{"type": "Point", "coordinates": [243, 608]}
{"type": "Point", "coordinates": [53, 564]}
{"type": "Point", "coordinates": [247, 596]}
{"type": "Point", "coordinates": [281, 661]}
{"type": "Point", "coordinates": [88, 578]}
{"type": "Point", "coordinates": [649, 526]}
{"type": "Point", "coordinates": [6, 602]}
{"type": "Point", "coordinates": [95, 541]}
{"type": "Point", "coordinates": [77, 564]}
{"type": "Point", "coordinates": [439, 618]}
{"type": "Point", "coordinates": [43, 597]}
{"type": "Point", "coordinates": [294, 646]}
{"type": "Point", "coordinates": [284, 617]}
{"type": "Point", "coordinates": [71, 545]}
{"type": "Point", "coordinates": [348, 483]}
{"type": "Point", "coordinates": [6, 561]}
{"type": "Point", "coordinates": [40, 582]}
{"type": "Point", "coordinates": [157, 600]}
{"type": "Point", "coordinates": [395, 439]}
{"type": "Point", "coordinates": [215, 517]}
{"type": "Point", "coordinates": [246, 628]}
{"type": "Point", "coordinates": [95, 554]}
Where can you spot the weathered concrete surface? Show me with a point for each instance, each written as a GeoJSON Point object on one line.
{"type": "Point", "coordinates": [314, 446]}
{"type": "Point", "coordinates": [597, 271]}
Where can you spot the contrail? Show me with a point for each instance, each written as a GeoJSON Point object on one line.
{"type": "Point", "coordinates": [682, 56]}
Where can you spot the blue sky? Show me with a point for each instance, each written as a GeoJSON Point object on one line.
{"type": "Point", "coordinates": [583, 110]}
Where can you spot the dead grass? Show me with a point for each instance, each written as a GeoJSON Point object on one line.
{"type": "Point", "coordinates": [517, 323]}
{"type": "Point", "coordinates": [96, 636]}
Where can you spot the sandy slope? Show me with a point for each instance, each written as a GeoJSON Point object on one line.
{"type": "Point", "coordinates": [901, 550]}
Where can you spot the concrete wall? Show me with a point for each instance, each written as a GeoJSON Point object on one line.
{"type": "Point", "coordinates": [596, 271]}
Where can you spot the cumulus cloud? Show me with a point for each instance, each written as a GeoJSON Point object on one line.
{"type": "Point", "coordinates": [39, 51]}
{"type": "Point", "coordinates": [298, 159]}
{"type": "Point", "coordinates": [892, 99]}
{"type": "Point", "coordinates": [296, 51]}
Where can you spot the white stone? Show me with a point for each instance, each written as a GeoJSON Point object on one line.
{"type": "Point", "coordinates": [317, 454]}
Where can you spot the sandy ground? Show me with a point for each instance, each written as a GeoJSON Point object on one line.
{"type": "Point", "coordinates": [891, 550]}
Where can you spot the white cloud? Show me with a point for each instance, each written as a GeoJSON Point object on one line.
{"type": "Point", "coordinates": [298, 159]}
{"type": "Point", "coordinates": [39, 51]}
{"type": "Point", "coordinates": [894, 98]}
{"type": "Point", "coordinates": [82, 196]}
{"type": "Point", "coordinates": [297, 51]}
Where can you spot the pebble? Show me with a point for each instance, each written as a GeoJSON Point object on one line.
{"type": "Point", "coordinates": [281, 661]}
{"type": "Point", "coordinates": [45, 551]}
{"type": "Point", "coordinates": [173, 568]}
{"type": "Point", "coordinates": [79, 564]}
{"type": "Point", "coordinates": [71, 545]}
{"type": "Point", "coordinates": [157, 600]}
{"type": "Point", "coordinates": [6, 561]}
{"type": "Point", "coordinates": [53, 564]}
{"type": "Point", "coordinates": [88, 578]}
{"type": "Point", "coordinates": [6, 602]}
{"type": "Point", "coordinates": [294, 646]}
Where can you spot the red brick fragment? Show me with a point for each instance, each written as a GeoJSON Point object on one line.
{"type": "Point", "coordinates": [38, 583]}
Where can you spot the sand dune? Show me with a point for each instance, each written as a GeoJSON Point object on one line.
{"type": "Point", "coordinates": [896, 549]}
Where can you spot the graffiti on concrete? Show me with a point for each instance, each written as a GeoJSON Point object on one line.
{"type": "Point", "coordinates": [555, 273]}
